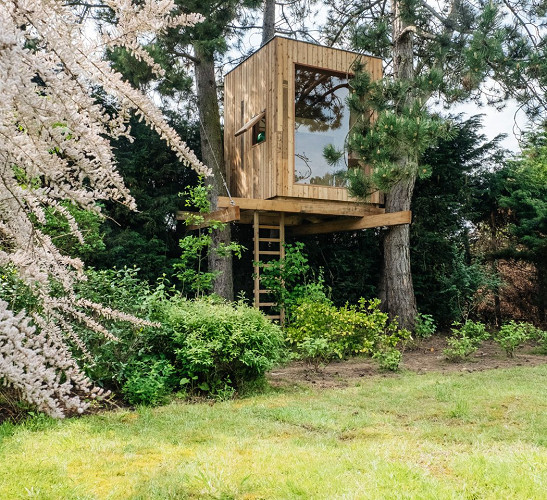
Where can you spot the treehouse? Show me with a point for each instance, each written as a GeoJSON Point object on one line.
{"type": "Point", "coordinates": [282, 106]}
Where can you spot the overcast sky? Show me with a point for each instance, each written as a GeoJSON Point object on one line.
{"type": "Point", "coordinates": [497, 122]}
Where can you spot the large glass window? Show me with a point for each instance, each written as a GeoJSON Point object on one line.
{"type": "Point", "coordinates": [322, 117]}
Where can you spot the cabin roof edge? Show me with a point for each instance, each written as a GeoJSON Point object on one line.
{"type": "Point", "coordinates": [278, 37]}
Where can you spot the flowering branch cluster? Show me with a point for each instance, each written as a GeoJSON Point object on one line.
{"type": "Point", "coordinates": [54, 147]}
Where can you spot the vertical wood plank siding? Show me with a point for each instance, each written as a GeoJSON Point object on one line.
{"type": "Point", "coordinates": [266, 81]}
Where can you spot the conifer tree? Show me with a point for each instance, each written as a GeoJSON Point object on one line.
{"type": "Point", "coordinates": [446, 271]}
{"type": "Point", "coordinates": [203, 45]}
{"type": "Point", "coordinates": [450, 53]}
{"type": "Point", "coordinates": [514, 201]}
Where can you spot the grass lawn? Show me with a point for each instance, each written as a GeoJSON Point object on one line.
{"type": "Point", "coordinates": [475, 436]}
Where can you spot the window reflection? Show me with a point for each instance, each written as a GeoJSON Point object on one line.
{"type": "Point", "coordinates": [322, 117]}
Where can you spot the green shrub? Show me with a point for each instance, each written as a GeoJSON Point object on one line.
{"type": "Point", "coordinates": [291, 281]}
{"type": "Point", "coordinates": [460, 348]}
{"type": "Point", "coordinates": [472, 329]}
{"type": "Point", "coordinates": [221, 345]}
{"type": "Point", "coordinates": [204, 345]}
{"type": "Point", "coordinates": [512, 335]}
{"type": "Point", "coordinates": [465, 340]}
{"type": "Point", "coordinates": [388, 358]}
{"type": "Point", "coordinates": [149, 381]}
{"type": "Point", "coordinates": [16, 292]}
{"type": "Point", "coordinates": [322, 332]}
{"type": "Point", "coordinates": [120, 289]}
{"type": "Point", "coordinates": [424, 326]}
{"type": "Point", "coordinates": [540, 336]}
{"type": "Point", "coordinates": [316, 351]}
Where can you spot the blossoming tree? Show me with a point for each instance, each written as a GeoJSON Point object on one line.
{"type": "Point", "coordinates": [54, 148]}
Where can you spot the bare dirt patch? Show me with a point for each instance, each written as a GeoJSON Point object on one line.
{"type": "Point", "coordinates": [425, 357]}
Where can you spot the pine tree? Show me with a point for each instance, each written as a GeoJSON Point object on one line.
{"type": "Point", "coordinates": [452, 53]}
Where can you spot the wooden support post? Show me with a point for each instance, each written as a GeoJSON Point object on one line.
{"type": "Point", "coordinates": [282, 256]}
{"type": "Point", "coordinates": [256, 228]}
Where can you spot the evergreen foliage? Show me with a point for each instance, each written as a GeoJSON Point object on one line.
{"type": "Point", "coordinates": [351, 263]}
{"type": "Point", "coordinates": [148, 238]}
{"type": "Point", "coordinates": [446, 273]}
{"type": "Point", "coordinates": [517, 198]}
{"type": "Point", "coordinates": [455, 52]}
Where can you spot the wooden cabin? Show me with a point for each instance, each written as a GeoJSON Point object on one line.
{"type": "Point", "coordinates": [282, 106]}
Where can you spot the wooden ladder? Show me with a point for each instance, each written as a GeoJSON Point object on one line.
{"type": "Point", "coordinates": [266, 249]}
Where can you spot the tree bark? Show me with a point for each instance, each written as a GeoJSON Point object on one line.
{"type": "Point", "coordinates": [399, 290]}
{"type": "Point", "coordinates": [213, 157]}
{"type": "Point", "coordinates": [397, 274]}
{"type": "Point", "coordinates": [268, 21]}
{"type": "Point", "coordinates": [542, 292]}
{"type": "Point", "coordinates": [496, 289]}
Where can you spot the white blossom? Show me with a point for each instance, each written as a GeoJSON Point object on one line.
{"type": "Point", "coordinates": [55, 147]}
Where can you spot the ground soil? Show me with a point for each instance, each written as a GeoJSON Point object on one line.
{"type": "Point", "coordinates": [426, 356]}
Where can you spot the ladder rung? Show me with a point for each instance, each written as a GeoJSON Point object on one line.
{"type": "Point", "coordinates": [274, 316]}
{"type": "Point", "coordinates": [269, 252]}
{"type": "Point", "coordinates": [267, 304]}
{"type": "Point", "coordinates": [268, 227]}
{"type": "Point", "coordinates": [274, 240]}
{"type": "Point", "coordinates": [264, 291]}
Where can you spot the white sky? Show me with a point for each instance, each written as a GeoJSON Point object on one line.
{"type": "Point", "coordinates": [507, 121]}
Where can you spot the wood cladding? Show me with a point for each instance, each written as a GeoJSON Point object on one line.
{"type": "Point", "coordinates": [266, 81]}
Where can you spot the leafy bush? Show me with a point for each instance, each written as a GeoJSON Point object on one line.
{"type": "Point", "coordinates": [221, 345]}
{"type": "Point", "coordinates": [540, 336]}
{"type": "Point", "coordinates": [206, 344]}
{"type": "Point", "coordinates": [460, 348]}
{"type": "Point", "coordinates": [389, 359]}
{"type": "Point", "coordinates": [107, 361]}
{"type": "Point", "coordinates": [466, 286]}
{"type": "Point", "coordinates": [16, 292]}
{"type": "Point", "coordinates": [315, 351]}
{"type": "Point", "coordinates": [424, 326]}
{"type": "Point", "coordinates": [149, 381]}
{"type": "Point", "coordinates": [465, 340]}
{"type": "Point", "coordinates": [291, 282]}
{"type": "Point", "coordinates": [320, 331]}
{"type": "Point", "coordinates": [513, 335]}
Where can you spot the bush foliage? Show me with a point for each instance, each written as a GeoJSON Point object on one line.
{"type": "Point", "coordinates": [219, 344]}
{"type": "Point", "coordinates": [204, 345]}
{"type": "Point", "coordinates": [465, 340]}
{"type": "Point", "coordinates": [512, 335]}
{"type": "Point", "coordinates": [320, 332]}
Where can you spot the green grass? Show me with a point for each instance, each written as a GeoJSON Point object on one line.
{"type": "Point", "coordinates": [474, 436]}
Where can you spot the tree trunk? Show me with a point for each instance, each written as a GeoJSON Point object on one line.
{"type": "Point", "coordinates": [542, 292]}
{"type": "Point", "coordinates": [399, 290]}
{"type": "Point", "coordinates": [213, 157]}
{"type": "Point", "coordinates": [268, 21]}
{"type": "Point", "coordinates": [397, 275]}
{"type": "Point", "coordinates": [495, 272]}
